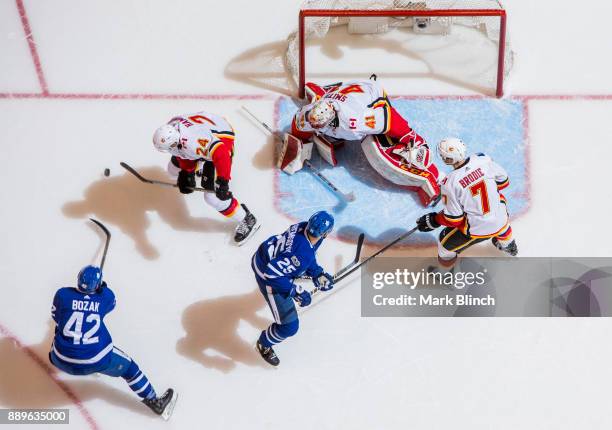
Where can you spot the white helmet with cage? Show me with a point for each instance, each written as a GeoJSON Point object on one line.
{"type": "Point", "coordinates": [452, 150]}
{"type": "Point", "coordinates": [321, 114]}
{"type": "Point", "coordinates": [166, 137]}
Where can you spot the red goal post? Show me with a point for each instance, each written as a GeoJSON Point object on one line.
{"type": "Point", "coordinates": [498, 13]}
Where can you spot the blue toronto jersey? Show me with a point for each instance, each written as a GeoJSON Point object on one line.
{"type": "Point", "coordinates": [282, 258]}
{"type": "Point", "coordinates": [80, 335]}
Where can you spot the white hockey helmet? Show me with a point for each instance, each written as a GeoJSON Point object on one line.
{"type": "Point", "coordinates": [452, 150]}
{"type": "Point", "coordinates": [321, 114]}
{"type": "Point", "coordinates": [166, 137]}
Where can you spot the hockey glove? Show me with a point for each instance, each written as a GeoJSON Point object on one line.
{"type": "Point", "coordinates": [427, 222]}
{"type": "Point", "coordinates": [301, 296]}
{"type": "Point", "coordinates": [186, 181]}
{"type": "Point", "coordinates": [222, 190]}
{"type": "Point", "coordinates": [323, 282]}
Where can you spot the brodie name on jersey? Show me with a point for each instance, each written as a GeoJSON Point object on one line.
{"type": "Point", "coordinates": [82, 305]}
{"type": "Point", "coordinates": [471, 177]}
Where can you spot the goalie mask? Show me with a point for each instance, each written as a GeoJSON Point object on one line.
{"type": "Point", "coordinates": [321, 114]}
{"type": "Point", "coordinates": [452, 150]}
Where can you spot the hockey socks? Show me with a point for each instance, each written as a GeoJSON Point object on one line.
{"type": "Point", "coordinates": [276, 333]}
{"type": "Point", "coordinates": [138, 382]}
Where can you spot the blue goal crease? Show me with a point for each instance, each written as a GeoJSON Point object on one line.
{"type": "Point", "coordinates": [383, 210]}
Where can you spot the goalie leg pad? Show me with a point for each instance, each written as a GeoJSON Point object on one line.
{"type": "Point", "coordinates": [292, 154]}
{"type": "Point", "coordinates": [397, 170]}
{"type": "Point", "coordinates": [325, 149]}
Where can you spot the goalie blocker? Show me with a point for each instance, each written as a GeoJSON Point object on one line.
{"type": "Point", "coordinates": [410, 168]}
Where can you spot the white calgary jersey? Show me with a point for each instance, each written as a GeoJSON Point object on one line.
{"type": "Point", "coordinates": [200, 133]}
{"type": "Point", "coordinates": [362, 108]}
{"type": "Point", "coordinates": [471, 191]}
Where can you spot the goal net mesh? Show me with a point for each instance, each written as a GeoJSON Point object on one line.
{"type": "Point", "coordinates": [317, 27]}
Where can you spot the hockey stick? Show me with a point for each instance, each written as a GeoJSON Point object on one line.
{"type": "Point", "coordinates": [108, 237]}
{"type": "Point", "coordinates": [377, 253]}
{"type": "Point", "coordinates": [349, 197]}
{"type": "Point", "coordinates": [360, 240]}
{"type": "Point", "coordinates": [316, 291]}
{"type": "Point", "coordinates": [134, 172]}
{"type": "Point", "coordinates": [355, 267]}
{"type": "Point", "coordinates": [355, 261]}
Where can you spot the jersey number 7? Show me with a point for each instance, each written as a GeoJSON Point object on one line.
{"type": "Point", "coordinates": [480, 188]}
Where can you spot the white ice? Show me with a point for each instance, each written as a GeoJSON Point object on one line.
{"type": "Point", "coordinates": [182, 287]}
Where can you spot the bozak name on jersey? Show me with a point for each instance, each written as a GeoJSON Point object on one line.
{"type": "Point", "coordinates": [81, 337]}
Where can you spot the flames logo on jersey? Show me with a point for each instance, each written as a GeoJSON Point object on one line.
{"type": "Point", "coordinates": [202, 150]}
{"type": "Point", "coordinates": [370, 121]}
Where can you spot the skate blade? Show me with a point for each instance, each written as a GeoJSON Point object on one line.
{"type": "Point", "coordinates": [170, 407]}
{"type": "Point", "coordinates": [251, 234]}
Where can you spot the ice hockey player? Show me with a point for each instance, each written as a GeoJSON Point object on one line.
{"type": "Point", "coordinates": [208, 139]}
{"type": "Point", "coordinates": [474, 208]}
{"type": "Point", "coordinates": [82, 344]}
{"type": "Point", "coordinates": [361, 111]}
{"type": "Point", "coordinates": [277, 263]}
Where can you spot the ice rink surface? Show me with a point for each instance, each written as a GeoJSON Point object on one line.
{"type": "Point", "coordinates": [83, 85]}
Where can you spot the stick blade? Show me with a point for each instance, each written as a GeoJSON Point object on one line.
{"type": "Point", "coordinates": [133, 171]}
{"type": "Point", "coordinates": [102, 226]}
{"type": "Point", "coordinates": [360, 240]}
{"type": "Point", "coordinates": [350, 197]}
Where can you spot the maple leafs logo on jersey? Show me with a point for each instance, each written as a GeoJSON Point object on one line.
{"type": "Point", "coordinates": [370, 121]}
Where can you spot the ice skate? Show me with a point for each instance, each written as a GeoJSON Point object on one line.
{"type": "Point", "coordinates": [163, 405]}
{"type": "Point", "coordinates": [267, 354]}
{"type": "Point", "coordinates": [510, 249]}
{"type": "Point", "coordinates": [246, 228]}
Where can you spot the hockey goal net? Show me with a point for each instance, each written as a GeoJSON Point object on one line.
{"type": "Point", "coordinates": [470, 28]}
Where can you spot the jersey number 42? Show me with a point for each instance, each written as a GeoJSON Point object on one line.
{"type": "Point", "coordinates": [76, 321]}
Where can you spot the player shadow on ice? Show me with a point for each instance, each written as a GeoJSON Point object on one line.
{"type": "Point", "coordinates": [265, 158]}
{"type": "Point", "coordinates": [211, 327]}
{"type": "Point", "coordinates": [123, 201]}
{"type": "Point", "coordinates": [263, 67]}
{"type": "Point", "coordinates": [456, 62]}
{"type": "Point", "coordinates": [26, 380]}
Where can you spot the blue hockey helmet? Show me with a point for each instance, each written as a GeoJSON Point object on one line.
{"type": "Point", "coordinates": [89, 279]}
{"type": "Point", "coordinates": [320, 224]}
